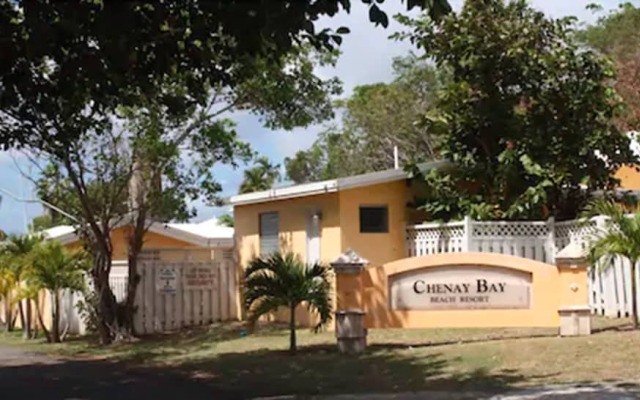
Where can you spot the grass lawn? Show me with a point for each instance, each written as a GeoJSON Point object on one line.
{"type": "Point", "coordinates": [396, 360]}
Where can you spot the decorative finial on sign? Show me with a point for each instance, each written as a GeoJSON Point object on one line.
{"type": "Point", "coordinates": [573, 252]}
{"type": "Point", "coordinates": [349, 262]}
{"type": "Point", "coordinates": [350, 257]}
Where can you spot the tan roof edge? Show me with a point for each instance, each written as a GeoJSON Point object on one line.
{"type": "Point", "coordinates": [328, 186]}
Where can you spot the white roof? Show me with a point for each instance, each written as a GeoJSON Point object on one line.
{"type": "Point", "coordinates": [209, 228]}
{"type": "Point", "coordinates": [208, 233]}
{"type": "Point", "coordinates": [328, 186]}
{"type": "Point", "coordinates": [58, 231]}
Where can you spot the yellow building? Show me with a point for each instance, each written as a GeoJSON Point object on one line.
{"type": "Point", "coordinates": [206, 241]}
{"type": "Point", "coordinates": [160, 236]}
{"type": "Point", "coordinates": [321, 220]}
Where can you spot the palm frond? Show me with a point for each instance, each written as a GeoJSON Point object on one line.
{"type": "Point", "coordinates": [284, 280]}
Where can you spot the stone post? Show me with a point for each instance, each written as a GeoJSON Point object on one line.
{"type": "Point", "coordinates": [574, 310]}
{"type": "Point", "coordinates": [350, 331]}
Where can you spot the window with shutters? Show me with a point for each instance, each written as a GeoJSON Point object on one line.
{"type": "Point", "coordinates": [269, 233]}
{"type": "Point", "coordinates": [374, 219]}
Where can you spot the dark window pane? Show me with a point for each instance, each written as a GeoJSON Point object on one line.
{"type": "Point", "coordinates": [374, 219]}
{"type": "Point", "coordinates": [269, 233]}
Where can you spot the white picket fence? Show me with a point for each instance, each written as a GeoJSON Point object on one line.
{"type": "Point", "coordinates": [610, 288]}
{"type": "Point", "coordinates": [214, 297]}
{"type": "Point", "coordinates": [175, 295]}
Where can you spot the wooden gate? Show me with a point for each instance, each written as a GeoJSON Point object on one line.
{"type": "Point", "coordinates": [173, 295]}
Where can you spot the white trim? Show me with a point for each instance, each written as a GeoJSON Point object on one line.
{"type": "Point", "coordinates": [328, 186]}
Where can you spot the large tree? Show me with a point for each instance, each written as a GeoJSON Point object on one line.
{"type": "Point", "coordinates": [375, 119]}
{"type": "Point", "coordinates": [526, 118]}
{"type": "Point", "coordinates": [617, 35]}
{"type": "Point", "coordinates": [68, 70]}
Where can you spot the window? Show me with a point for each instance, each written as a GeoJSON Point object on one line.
{"type": "Point", "coordinates": [269, 233]}
{"type": "Point", "coordinates": [374, 219]}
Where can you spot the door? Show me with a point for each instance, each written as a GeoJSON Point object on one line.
{"type": "Point", "coordinates": [313, 238]}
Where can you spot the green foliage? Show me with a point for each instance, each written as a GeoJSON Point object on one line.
{"type": "Point", "coordinates": [526, 118]}
{"type": "Point", "coordinates": [54, 268]}
{"type": "Point", "coordinates": [284, 281]}
{"type": "Point", "coordinates": [226, 220]}
{"type": "Point", "coordinates": [375, 118]}
{"type": "Point", "coordinates": [617, 35]}
{"type": "Point", "coordinates": [16, 262]}
{"type": "Point", "coordinates": [58, 58]}
{"type": "Point", "coordinates": [262, 176]}
{"type": "Point", "coordinates": [620, 237]}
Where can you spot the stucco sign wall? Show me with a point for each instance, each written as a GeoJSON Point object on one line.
{"type": "Point", "coordinates": [460, 287]}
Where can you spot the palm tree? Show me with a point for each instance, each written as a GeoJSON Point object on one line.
{"type": "Point", "coordinates": [285, 281]}
{"type": "Point", "coordinates": [620, 238]}
{"type": "Point", "coordinates": [7, 285]}
{"type": "Point", "coordinates": [226, 220]}
{"type": "Point", "coordinates": [19, 248]}
{"type": "Point", "coordinates": [56, 269]}
{"type": "Point", "coordinates": [261, 177]}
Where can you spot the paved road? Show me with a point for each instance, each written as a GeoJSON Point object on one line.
{"type": "Point", "coordinates": [28, 375]}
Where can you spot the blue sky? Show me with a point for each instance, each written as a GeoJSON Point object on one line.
{"type": "Point", "coordinates": [366, 58]}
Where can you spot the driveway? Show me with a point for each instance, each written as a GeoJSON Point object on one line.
{"type": "Point", "coordinates": [28, 375]}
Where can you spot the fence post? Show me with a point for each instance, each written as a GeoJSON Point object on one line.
{"type": "Point", "coordinates": [351, 333]}
{"type": "Point", "coordinates": [467, 241]}
{"type": "Point", "coordinates": [551, 240]}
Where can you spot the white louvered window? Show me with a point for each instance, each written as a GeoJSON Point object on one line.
{"type": "Point", "coordinates": [269, 233]}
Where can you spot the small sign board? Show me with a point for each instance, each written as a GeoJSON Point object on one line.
{"type": "Point", "coordinates": [167, 280]}
{"type": "Point", "coordinates": [199, 277]}
{"type": "Point", "coordinates": [461, 288]}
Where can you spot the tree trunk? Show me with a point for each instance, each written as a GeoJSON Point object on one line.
{"type": "Point", "coordinates": [22, 317]}
{"type": "Point", "coordinates": [132, 286]}
{"type": "Point", "coordinates": [292, 328]}
{"type": "Point", "coordinates": [55, 317]}
{"type": "Point", "coordinates": [26, 328]}
{"type": "Point", "coordinates": [34, 330]}
{"type": "Point", "coordinates": [41, 322]}
{"type": "Point", "coordinates": [634, 295]}
{"type": "Point", "coordinates": [106, 309]}
{"type": "Point", "coordinates": [8, 317]}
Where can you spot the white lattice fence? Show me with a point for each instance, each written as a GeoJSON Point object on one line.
{"type": "Point", "coordinates": [436, 238]}
{"type": "Point", "coordinates": [610, 287]}
{"type": "Point", "coordinates": [523, 239]}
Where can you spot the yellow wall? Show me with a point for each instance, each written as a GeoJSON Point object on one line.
{"type": "Point", "coordinates": [551, 288]}
{"type": "Point", "coordinates": [629, 177]}
{"type": "Point", "coordinates": [292, 216]}
{"type": "Point", "coordinates": [340, 224]}
{"type": "Point", "coordinates": [119, 238]}
{"type": "Point", "coordinates": [378, 248]}
{"type": "Point", "coordinates": [339, 227]}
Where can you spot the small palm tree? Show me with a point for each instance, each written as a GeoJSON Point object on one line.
{"type": "Point", "coordinates": [7, 286]}
{"type": "Point", "coordinates": [262, 176]}
{"type": "Point", "coordinates": [285, 281]}
{"type": "Point", "coordinates": [19, 249]}
{"type": "Point", "coordinates": [56, 269]}
{"type": "Point", "coordinates": [620, 238]}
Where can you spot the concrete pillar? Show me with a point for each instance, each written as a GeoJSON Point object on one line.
{"type": "Point", "coordinates": [351, 334]}
{"type": "Point", "coordinates": [574, 310]}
